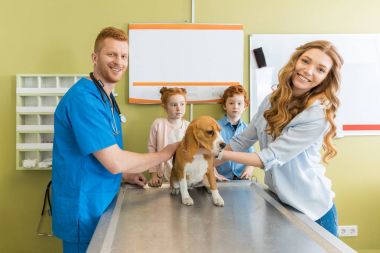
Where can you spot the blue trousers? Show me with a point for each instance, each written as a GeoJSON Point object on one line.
{"type": "Point", "coordinates": [329, 221]}
{"type": "Point", "coordinates": [74, 247]}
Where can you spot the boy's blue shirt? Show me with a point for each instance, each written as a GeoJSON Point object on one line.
{"type": "Point", "coordinates": [229, 168]}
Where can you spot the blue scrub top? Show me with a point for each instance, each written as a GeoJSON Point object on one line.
{"type": "Point", "coordinates": [81, 187]}
{"type": "Point", "coordinates": [230, 168]}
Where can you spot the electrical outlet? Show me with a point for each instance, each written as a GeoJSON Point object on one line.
{"type": "Point", "coordinates": [349, 230]}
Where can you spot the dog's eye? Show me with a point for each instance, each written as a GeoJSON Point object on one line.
{"type": "Point", "coordinates": [210, 132]}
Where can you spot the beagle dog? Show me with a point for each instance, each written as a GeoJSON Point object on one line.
{"type": "Point", "coordinates": [194, 159]}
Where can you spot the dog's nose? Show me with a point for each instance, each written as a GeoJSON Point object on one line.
{"type": "Point", "coordinates": [222, 145]}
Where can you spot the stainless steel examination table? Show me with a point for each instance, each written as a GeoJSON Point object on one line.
{"type": "Point", "coordinates": [252, 220]}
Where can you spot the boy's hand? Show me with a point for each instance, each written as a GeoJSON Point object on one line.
{"type": "Point", "coordinates": [220, 177]}
{"type": "Point", "coordinates": [248, 172]}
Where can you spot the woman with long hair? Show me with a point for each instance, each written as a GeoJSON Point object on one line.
{"type": "Point", "coordinates": [291, 125]}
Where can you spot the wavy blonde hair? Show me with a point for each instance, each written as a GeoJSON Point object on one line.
{"type": "Point", "coordinates": [284, 107]}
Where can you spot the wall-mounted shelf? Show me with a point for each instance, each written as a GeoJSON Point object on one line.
{"type": "Point", "coordinates": [37, 96]}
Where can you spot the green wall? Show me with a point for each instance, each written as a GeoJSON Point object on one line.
{"type": "Point", "coordinates": [57, 37]}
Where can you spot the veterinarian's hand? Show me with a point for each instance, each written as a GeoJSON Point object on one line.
{"type": "Point", "coordinates": [170, 149]}
{"type": "Point", "coordinates": [219, 177]}
{"type": "Point", "coordinates": [155, 181]}
{"type": "Point", "coordinates": [136, 179]}
{"type": "Point", "coordinates": [248, 172]}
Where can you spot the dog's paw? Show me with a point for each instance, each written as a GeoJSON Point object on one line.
{"type": "Point", "coordinates": [174, 191]}
{"type": "Point", "coordinates": [218, 201]}
{"type": "Point", "coordinates": [216, 198]}
{"type": "Point", "coordinates": [188, 201]}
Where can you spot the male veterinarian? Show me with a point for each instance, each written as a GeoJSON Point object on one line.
{"type": "Point", "coordinates": [88, 159]}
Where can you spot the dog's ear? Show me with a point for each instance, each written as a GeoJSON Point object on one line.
{"type": "Point", "coordinates": [196, 133]}
{"type": "Point", "coordinates": [191, 144]}
{"type": "Point", "coordinates": [201, 138]}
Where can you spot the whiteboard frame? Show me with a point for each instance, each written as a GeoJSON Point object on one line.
{"type": "Point", "coordinates": [203, 58]}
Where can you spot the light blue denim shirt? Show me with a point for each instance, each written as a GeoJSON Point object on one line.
{"type": "Point", "coordinates": [292, 162]}
{"type": "Point", "coordinates": [229, 168]}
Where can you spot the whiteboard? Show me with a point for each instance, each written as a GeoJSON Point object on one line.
{"type": "Point", "coordinates": [359, 113]}
{"type": "Point", "coordinates": [203, 58]}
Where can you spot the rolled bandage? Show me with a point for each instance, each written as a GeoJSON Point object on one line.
{"type": "Point", "coordinates": [29, 163]}
{"type": "Point", "coordinates": [220, 155]}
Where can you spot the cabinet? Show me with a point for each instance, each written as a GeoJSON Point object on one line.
{"type": "Point", "coordinates": [37, 96]}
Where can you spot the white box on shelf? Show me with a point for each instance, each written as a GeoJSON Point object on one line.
{"type": "Point", "coordinates": [35, 128]}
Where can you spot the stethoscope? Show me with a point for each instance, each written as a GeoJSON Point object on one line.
{"type": "Point", "coordinates": [99, 86]}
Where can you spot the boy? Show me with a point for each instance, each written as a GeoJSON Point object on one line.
{"type": "Point", "coordinates": [234, 103]}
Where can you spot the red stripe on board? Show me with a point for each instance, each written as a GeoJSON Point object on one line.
{"type": "Point", "coordinates": [360, 127]}
{"type": "Point", "coordinates": [151, 101]}
{"type": "Point", "coordinates": [205, 84]}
